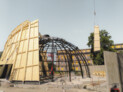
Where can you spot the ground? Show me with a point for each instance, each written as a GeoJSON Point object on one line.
{"type": "Point", "coordinates": [93, 84]}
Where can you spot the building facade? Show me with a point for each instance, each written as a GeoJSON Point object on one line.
{"type": "Point", "coordinates": [62, 65]}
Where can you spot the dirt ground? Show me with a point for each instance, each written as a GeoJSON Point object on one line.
{"type": "Point", "coordinates": [94, 84]}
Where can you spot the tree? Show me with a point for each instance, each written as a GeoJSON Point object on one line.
{"type": "Point", "coordinates": [106, 43]}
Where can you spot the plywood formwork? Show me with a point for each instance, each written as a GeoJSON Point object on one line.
{"type": "Point", "coordinates": [22, 52]}
{"type": "Point", "coordinates": [96, 38]}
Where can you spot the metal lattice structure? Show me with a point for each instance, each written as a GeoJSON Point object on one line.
{"type": "Point", "coordinates": [56, 47]}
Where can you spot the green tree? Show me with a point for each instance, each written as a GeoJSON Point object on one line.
{"type": "Point", "coordinates": [105, 43]}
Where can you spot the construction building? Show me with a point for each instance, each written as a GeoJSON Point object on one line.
{"type": "Point", "coordinates": [24, 58]}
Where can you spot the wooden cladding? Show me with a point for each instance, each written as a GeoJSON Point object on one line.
{"type": "Point", "coordinates": [22, 50]}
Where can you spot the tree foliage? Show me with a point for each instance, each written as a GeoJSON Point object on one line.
{"type": "Point", "coordinates": [105, 43]}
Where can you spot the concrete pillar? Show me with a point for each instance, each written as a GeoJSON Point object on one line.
{"type": "Point", "coordinates": [96, 38]}
{"type": "Point", "coordinates": [112, 70]}
{"type": "Point", "coordinates": [120, 61]}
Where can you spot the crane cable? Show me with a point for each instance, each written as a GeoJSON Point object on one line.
{"type": "Point", "coordinates": [94, 13]}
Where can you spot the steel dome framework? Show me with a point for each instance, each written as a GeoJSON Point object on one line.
{"type": "Point", "coordinates": [56, 47]}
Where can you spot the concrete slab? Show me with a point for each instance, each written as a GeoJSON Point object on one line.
{"type": "Point", "coordinates": [112, 70]}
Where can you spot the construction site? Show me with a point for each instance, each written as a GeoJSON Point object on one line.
{"type": "Point", "coordinates": [35, 62]}
{"type": "Point", "coordinates": [30, 58]}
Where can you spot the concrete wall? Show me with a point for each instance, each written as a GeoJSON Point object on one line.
{"type": "Point", "coordinates": [112, 70]}
{"type": "Point", "coordinates": [120, 61]}
{"type": "Point", "coordinates": [95, 68]}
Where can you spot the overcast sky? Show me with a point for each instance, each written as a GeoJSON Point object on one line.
{"type": "Point", "coordinates": [72, 20]}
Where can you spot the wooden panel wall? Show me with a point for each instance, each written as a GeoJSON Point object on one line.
{"type": "Point", "coordinates": [22, 50]}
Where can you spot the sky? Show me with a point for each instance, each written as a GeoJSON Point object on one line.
{"type": "Point", "coordinates": [72, 20]}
